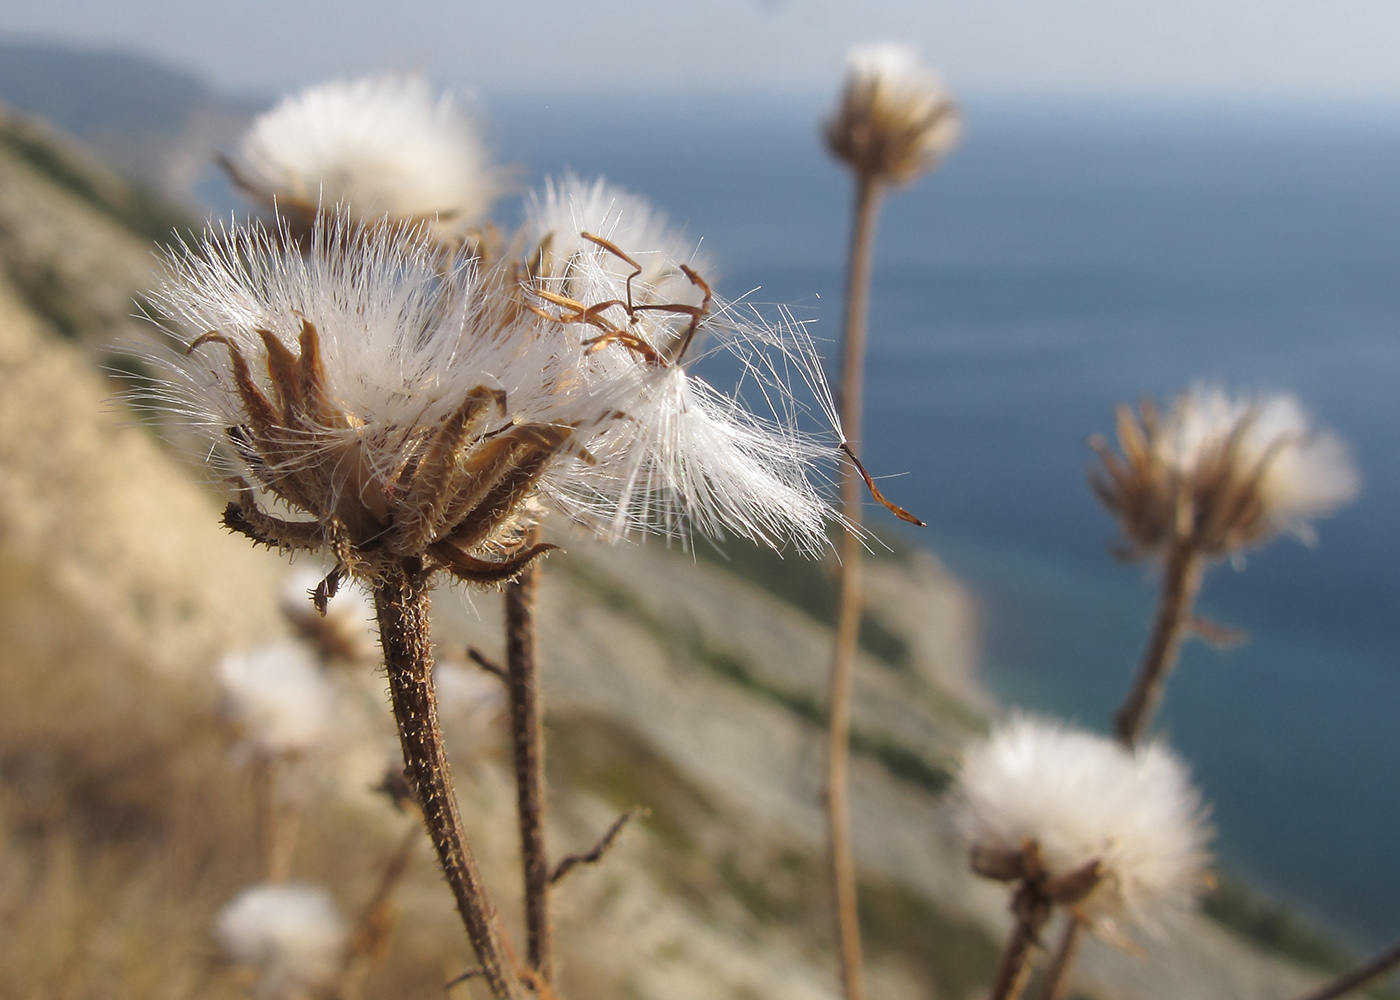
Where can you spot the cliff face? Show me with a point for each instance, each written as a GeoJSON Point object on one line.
{"type": "Point", "coordinates": [671, 683]}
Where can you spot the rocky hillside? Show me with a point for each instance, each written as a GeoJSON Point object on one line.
{"type": "Point", "coordinates": [672, 682]}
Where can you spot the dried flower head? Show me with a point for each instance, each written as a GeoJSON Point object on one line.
{"type": "Point", "coordinates": [278, 698]}
{"type": "Point", "coordinates": [1220, 473]}
{"type": "Point", "coordinates": [292, 936]}
{"type": "Point", "coordinates": [378, 146]}
{"type": "Point", "coordinates": [1076, 803]}
{"type": "Point", "coordinates": [895, 119]}
{"type": "Point", "coordinates": [345, 633]}
{"type": "Point", "coordinates": [695, 456]}
{"type": "Point", "coordinates": [557, 218]}
{"type": "Point", "coordinates": [407, 415]}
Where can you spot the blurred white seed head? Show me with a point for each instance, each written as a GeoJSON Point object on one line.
{"type": "Point", "coordinates": [1301, 473]}
{"type": "Point", "coordinates": [1221, 473]}
{"type": "Point", "coordinates": [278, 698]}
{"type": "Point", "coordinates": [1081, 797]}
{"type": "Point", "coordinates": [345, 633]}
{"type": "Point", "coordinates": [291, 935]}
{"type": "Point", "coordinates": [895, 118]}
{"type": "Point", "coordinates": [378, 146]}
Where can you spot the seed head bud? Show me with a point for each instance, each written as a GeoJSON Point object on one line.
{"type": "Point", "coordinates": [1220, 473]}
{"type": "Point", "coordinates": [291, 936]}
{"type": "Point", "coordinates": [895, 119]}
{"type": "Point", "coordinates": [1119, 835]}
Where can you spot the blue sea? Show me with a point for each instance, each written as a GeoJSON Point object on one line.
{"type": "Point", "coordinates": [1072, 254]}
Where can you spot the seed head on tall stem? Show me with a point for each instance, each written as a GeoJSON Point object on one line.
{"type": "Point", "coordinates": [1073, 820]}
{"type": "Point", "coordinates": [1217, 475]}
{"type": "Point", "coordinates": [415, 420]}
{"type": "Point", "coordinates": [894, 121]}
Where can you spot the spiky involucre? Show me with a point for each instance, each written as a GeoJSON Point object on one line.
{"type": "Point", "coordinates": [1081, 797]}
{"type": "Point", "coordinates": [895, 118]}
{"type": "Point", "coordinates": [405, 341]}
{"type": "Point", "coordinates": [381, 145]}
{"type": "Point", "coordinates": [292, 935]}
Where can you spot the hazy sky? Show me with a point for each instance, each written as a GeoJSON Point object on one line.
{"type": "Point", "coordinates": [1232, 46]}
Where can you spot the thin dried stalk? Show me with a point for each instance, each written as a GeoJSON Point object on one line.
{"type": "Point", "coordinates": [1181, 582]}
{"type": "Point", "coordinates": [527, 738]}
{"type": "Point", "coordinates": [278, 823]}
{"type": "Point", "coordinates": [376, 919]}
{"type": "Point", "coordinates": [867, 204]}
{"type": "Point", "coordinates": [401, 604]}
{"type": "Point", "coordinates": [1057, 979]}
{"type": "Point", "coordinates": [1015, 965]}
{"type": "Point", "coordinates": [1354, 980]}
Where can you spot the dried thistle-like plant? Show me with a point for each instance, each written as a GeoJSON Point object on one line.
{"type": "Point", "coordinates": [895, 119]}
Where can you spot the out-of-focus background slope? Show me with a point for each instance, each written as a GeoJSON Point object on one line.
{"type": "Point", "coordinates": [673, 682]}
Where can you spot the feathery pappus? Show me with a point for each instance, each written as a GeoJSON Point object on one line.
{"type": "Point", "coordinates": [378, 147]}
{"type": "Point", "coordinates": [368, 400]}
{"type": "Point", "coordinates": [1120, 835]}
{"type": "Point", "coordinates": [1220, 473]}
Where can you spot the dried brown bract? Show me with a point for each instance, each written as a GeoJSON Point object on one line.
{"type": "Point", "coordinates": [895, 119]}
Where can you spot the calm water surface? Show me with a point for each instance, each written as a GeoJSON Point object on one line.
{"type": "Point", "coordinates": [1067, 257]}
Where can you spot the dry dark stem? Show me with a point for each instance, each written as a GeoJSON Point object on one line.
{"type": "Point", "coordinates": [527, 738]}
{"type": "Point", "coordinates": [1015, 963]}
{"type": "Point", "coordinates": [1181, 581]}
{"type": "Point", "coordinates": [401, 604]}
{"type": "Point", "coordinates": [1057, 978]}
{"type": "Point", "coordinates": [867, 203]}
{"type": "Point", "coordinates": [1354, 980]}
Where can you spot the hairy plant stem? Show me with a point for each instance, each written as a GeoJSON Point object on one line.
{"type": "Point", "coordinates": [527, 738]}
{"type": "Point", "coordinates": [1181, 582]}
{"type": "Point", "coordinates": [843, 871]}
{"type": "Point", "coordinates": [1359, 977]}
{"type": "Point", "coordinates": [401, 604]}
{"type": "Point", "coordinates": [1057, 978]}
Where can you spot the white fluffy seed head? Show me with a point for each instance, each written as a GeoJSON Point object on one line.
{"type": "Point", "coordinates": [1081, 797]}
{"type": "Point", "coordinates": [404, 341]}
{"type": "Point", "coordinates": [1302, 473]}
{"type": "Point", "coordinates": [291, 935]}
{"type": "Point", "coordinates": [377, 146]}
{"type": "Point", "coordinates": [278, 698]}
{"type": "Point", "coordinates": [896, 118]}
{"type": "Point", "coordinates": [557, 216]}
